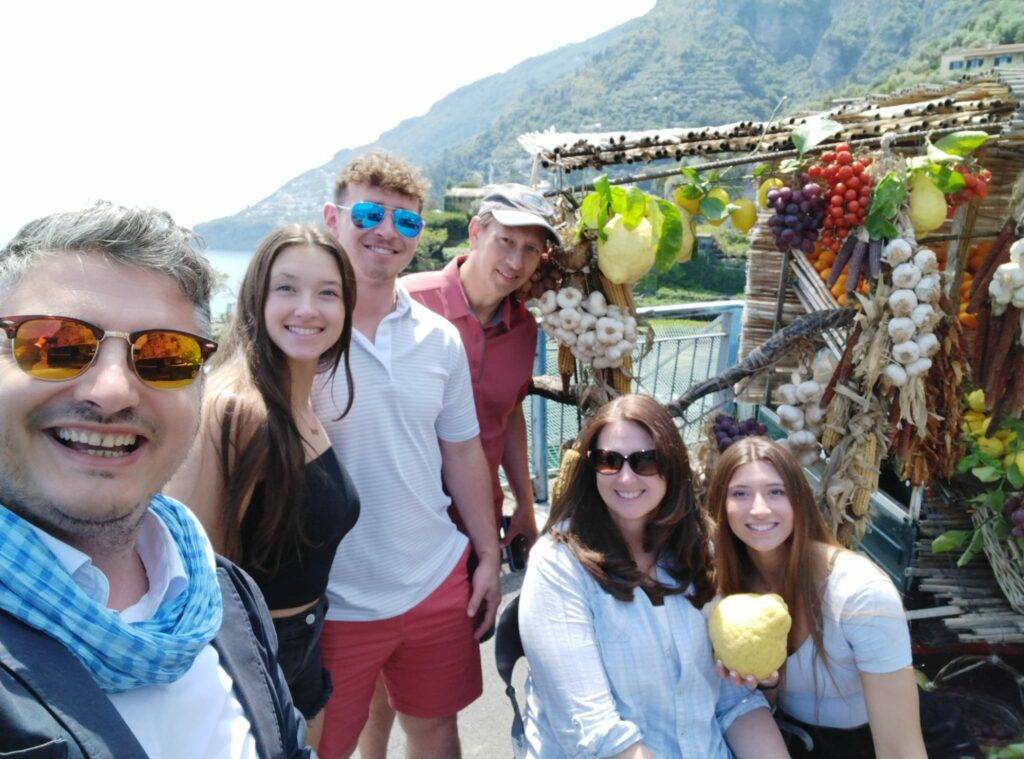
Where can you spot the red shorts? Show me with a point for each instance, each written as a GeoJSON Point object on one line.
{"type": "Point", "coordinates": [428, 657]}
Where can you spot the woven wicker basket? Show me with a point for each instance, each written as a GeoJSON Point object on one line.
{"type": "Point", "coordinates": [1006, 559]}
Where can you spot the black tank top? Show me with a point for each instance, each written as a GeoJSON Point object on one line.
{"type": "Point", "coordinates": [331, 507]}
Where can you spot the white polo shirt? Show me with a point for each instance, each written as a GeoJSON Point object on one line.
{"type": "Point", "coordinates": [412, 388]}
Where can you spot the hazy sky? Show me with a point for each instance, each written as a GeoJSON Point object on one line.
{"type": "Point", "coordinates": [204, 108]}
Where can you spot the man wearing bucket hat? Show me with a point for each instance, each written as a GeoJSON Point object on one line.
{"type": "Point", "coordinates": [478, 294]}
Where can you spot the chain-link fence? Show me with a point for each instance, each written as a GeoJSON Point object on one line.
{"type": "Point", "coordinates": [692, 343]}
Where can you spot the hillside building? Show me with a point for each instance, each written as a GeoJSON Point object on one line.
{"type": "Point", "coordinates": [973, 60]}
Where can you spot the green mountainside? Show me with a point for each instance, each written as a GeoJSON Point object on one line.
{"type": "Point", "coordinates": [686, 62]}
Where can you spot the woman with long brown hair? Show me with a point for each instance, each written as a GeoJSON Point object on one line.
{"type": "Point", "coordinates": [620, 661]}
{"type": "Point", "coordinates": [848, 679]}
{"type": "Point", "coordinates": [262, 476]}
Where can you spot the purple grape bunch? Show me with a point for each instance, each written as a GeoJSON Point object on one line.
{"type": "Point", "coordinates": [728, 430]}
{"type": "Point", "coordinates": [799, 214]}
{"type": "Point", "coordinates": [1013, 510]}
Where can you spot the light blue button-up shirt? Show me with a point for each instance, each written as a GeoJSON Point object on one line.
{"type": "Point", "coordinates": [605, 674]}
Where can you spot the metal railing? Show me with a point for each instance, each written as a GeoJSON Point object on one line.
{"type": "Point", "coordinates": [692, 342]}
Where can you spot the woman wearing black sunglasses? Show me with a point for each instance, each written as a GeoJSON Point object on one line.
{"type": "Point", "coordinates": [615, 672]}
{"type": "Point", "coordinates": [262, 477]}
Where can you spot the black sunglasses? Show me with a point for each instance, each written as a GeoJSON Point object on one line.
{"type": "Point", "coordinates": [644, 463]}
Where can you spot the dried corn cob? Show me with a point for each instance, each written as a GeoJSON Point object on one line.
{"type": "Point", "coordinates": [617, 295]}
{"type": "Point", "coordinates": [621, 382]}
{"type": "Point", "coordinates": [571, 459]}
{"type": "Point", "coordinates": [566, 361]}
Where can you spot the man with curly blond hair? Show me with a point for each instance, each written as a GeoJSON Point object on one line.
{"type": "Point", "coordinates": [402, 602]}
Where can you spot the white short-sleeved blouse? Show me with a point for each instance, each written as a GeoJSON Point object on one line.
{"type": "Point", "coordinates": [864, 629]}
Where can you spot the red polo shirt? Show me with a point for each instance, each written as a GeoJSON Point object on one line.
{"type": "Point", "coordinates": [500, 354]}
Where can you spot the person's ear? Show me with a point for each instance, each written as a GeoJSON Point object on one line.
{"type": "Point", "coordinates": [475, 227]}
{"type": "Point", "coordinates": [331, 218]}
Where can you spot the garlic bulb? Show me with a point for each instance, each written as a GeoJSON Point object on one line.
{"type": "Point", "coordinates": [927, 290]}
{"type": "Point", "coordinates": [790, 417]}
{"type": "Point", "coordinates": [609, 330]}
{"type": "Point", "coordinates": [906, 276]}
{"type": "Point", "coordinates": [802, 439]}
{"type": "Point", "coordinates": [809, 391]}
{"type": "Point", "coordinates": [823, 366]}
{"type": "Point", "coordinates": [906, 352]}
{"type": "Point", "coordinates": [924, 316]}
{"type": "Point", "coordinates": [928, 344]}
{"type": "Point", "coordinates": [569, 297]}
{"type": "Point", "coordinates": [896, 374]}
{"type": "Point", "coordinates": [570, 319]}
{"type": "Point", "coordinates": [565, 336]}
{"type": "Point", "coordinates": [918, 367]}
{"type": "Point", "coordinates": [897, 251]}
{"type": "Point", "coordinates": [1017, 252]}
{"type": "Point", "coordinates": [814, 414]}
{"type": "Point", "coordinates": [902, 302]}
{"type": "Point", "coordinates": [926, 260]}
{"type": "Point", "coordinates": [596, 304]}
{"type": "Point", "coordinates": [548, 302]}
{"type": "Point", "coordinates": [901, 329]}
{"type": "Point", "coordinates": [786, 394]}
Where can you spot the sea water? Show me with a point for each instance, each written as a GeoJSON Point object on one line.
{"type": "Point", "coordinates": [232, 263]}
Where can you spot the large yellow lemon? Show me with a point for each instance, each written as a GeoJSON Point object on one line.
{"type": "Point", "coordinates": [748, 633]}
{"type": "Point", "coordinates": [690, 205]}
{"type": "Point", "coordinates": [744, 217]}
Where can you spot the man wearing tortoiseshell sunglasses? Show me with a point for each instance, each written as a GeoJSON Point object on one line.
{"type": "Point", "coordinates": [402, 602]}
{"type": "Point", "coordinates": [121, 635]}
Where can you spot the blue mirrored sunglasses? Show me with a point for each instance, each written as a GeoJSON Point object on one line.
{"type": "Point", "coordinates": [367, 215]}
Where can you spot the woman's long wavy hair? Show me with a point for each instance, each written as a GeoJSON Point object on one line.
{"type": "Point", "coordinates": [250, 390]}
{"type": "Point", "coordinates": [806, 568]}
{"type": "Point", "coordinates": [676, 532]}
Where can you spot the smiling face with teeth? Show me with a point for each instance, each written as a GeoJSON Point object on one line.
{"type": "Point", "coordinates": [81, 458]}
{"type": "Point", "coordinates": [378, 254]}
{"type": "Point", "coordinates": [630, 498]}
{"type": "Point", "coordinates": [758, 508]}
{"type": "Point", "coordinates": [304, 310]}
{"type": "Point", "coordinates": [502, 258]}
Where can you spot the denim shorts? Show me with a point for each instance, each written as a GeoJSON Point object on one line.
{"type": "Point", "coordinates": [298, 653]}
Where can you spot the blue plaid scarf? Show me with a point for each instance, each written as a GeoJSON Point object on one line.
{"type": "Point", "coordinates": [36, 589]}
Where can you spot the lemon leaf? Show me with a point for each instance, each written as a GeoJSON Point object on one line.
{"type": "Point", "coordinates": [951, 540]}
{"type": "Point", "coordinates": [668, 235]}
{"type": "Point", "coordinates": [762, 169]}
{"type": "Point", "coordinates": [962, 143]}
{"type": "Point", "coordinates": [986, 473]}
{"type": "Point", "coordinates": [712, 209]}
{"type": "Point", "coordinates": [813, 132]}
{"type": "Point", "coordinates": [635, 208]}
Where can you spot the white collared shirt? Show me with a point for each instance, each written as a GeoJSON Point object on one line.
{"type": "Point", "coordinates": [413, 389]}
{"type": "Point", "coordinates": [197, 715]}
